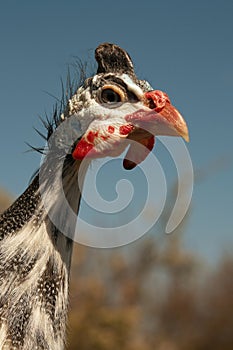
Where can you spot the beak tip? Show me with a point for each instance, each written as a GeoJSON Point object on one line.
{"type": "Point", "coordinates": [186, 137]}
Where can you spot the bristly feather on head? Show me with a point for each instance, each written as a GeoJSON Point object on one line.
{"type": "Point", "coordinates": [77, 73]}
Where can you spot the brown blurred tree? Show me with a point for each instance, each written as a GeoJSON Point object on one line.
{"type": "Point", "coordinates": [153, 299]}
{"type": "Point", "coordinates": [5, 200]}
{"type": "Point", "coordinates": [151, 294]}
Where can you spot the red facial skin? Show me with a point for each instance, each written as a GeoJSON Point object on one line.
{"type": "Point", "coordinates": [111, 129]}
{"type": "Point", "coordinates": [161, 111]}
{"type": "Point", "coordinates": [91, 136]}
{"type": "Point", "coordinates": [126, 129]}
{"type": "Point", "coordinates": [82, 149]}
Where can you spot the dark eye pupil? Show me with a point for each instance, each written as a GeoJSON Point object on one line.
{"type": "Point", "coordinates": [110, 96]}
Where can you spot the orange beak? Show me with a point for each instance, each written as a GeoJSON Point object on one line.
{"type": "Point", "coordinates": [162, 119]}
{"type": "Point", "coordinates": [170, 115]}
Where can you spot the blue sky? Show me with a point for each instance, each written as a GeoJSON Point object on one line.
{"type": "Point", "coordinates": [182, 47]}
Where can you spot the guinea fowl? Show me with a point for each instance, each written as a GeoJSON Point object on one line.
{"type": "Point", "coordinates": [103, 115]}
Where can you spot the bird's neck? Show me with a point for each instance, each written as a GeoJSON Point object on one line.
{"type": "Point", "coordinates": [34, 268]}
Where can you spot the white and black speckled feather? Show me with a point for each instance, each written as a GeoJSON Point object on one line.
{"type": "Point", "coordinates": [34, 273]}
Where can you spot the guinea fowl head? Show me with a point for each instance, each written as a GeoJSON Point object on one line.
{"type": "Point", "coordinates": [114, 108]}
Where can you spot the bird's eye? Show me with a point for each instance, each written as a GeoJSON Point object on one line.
{"type": "Point", "coordinates": [110, 96]}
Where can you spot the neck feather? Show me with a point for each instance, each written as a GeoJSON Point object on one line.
{"type": "Point", "coordinates": [34, 268]}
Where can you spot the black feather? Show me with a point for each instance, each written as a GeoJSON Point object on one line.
{"type": "Point", "coordinates": [76, 76]}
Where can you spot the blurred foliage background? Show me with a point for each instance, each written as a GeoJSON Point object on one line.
{"type": "Point", "coordinates": [151, 294]}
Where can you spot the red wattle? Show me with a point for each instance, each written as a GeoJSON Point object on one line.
{"type": "Point", "coordinates": [137, 154]}
{"type": "Point", "coordinates": [150, 143]}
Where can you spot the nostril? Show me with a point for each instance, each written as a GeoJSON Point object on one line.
{"type": "Point", "coordinates": [151, 103]}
